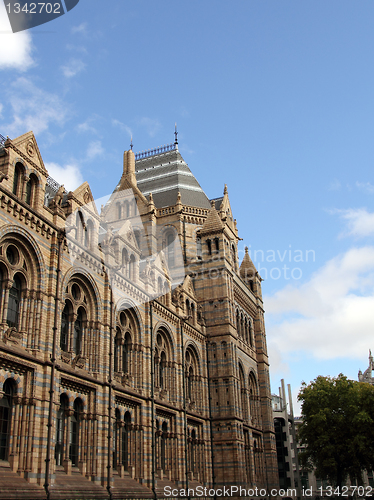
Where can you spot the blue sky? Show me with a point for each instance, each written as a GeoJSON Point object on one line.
{"type": "Point", "coordinates": [273, 98]}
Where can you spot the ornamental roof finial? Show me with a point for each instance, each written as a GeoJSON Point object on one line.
{"type": "Point", "coordinates": [176, 134]}
{"type": "Point", "coordinates": [131, 144]}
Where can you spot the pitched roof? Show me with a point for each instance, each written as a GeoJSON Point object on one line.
{"type": "Point", "coordinates": [212, 223]}
{"type": "Point", "coordinates": [247, 268]}
{"type": "Point", "coordinates": [165, 174]}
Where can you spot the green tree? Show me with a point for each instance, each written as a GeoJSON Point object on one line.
{"type": "Point", "coordinates": [337, 428]}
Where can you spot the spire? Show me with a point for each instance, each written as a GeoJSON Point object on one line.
{"type": "Point", "coordinates": [176, 135]}
{"type": "Point", "coordinates": [131, 144]}
{"type": "Point", "coordinates": [225, 189]}
{"type": "Point", "coordinates": [213, 223]}
{"type": "Point", "coordinates": [247, 268]}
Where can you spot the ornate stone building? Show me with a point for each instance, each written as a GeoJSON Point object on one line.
{"type": "Point", "coordinates": [133, 350]}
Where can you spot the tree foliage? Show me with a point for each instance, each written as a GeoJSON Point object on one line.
{"type": "Point", "coordinates": [337, 428]}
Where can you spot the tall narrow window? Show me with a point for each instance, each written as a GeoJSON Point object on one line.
{"type": "Point", "coordinates": [192, 450]}
{"type": "Point", "coordinates": [209, 244]}
{"type": "Point", "coordinates": [117, 341]}
{"type": "Point", "coordinates": [170, 249]}
{"type": "Point", "coordinates": [14, 302]}
{"type": "Point", "coordinates": [116, 426]}
{"type": "Point", "coordinates": [125, 354]}
{"type": "Point", "coordinates": [162, 370]}
{"type": "Point", "coordinates": [77, 339]}
{"type": "Point", "coordinates": [60, 428]}
{"type": "Point", "coordinates": [28, 191]}
{"type": "Point", "coordinates": [74, 432]}
{"type": "Point", "coordinates": [199, 249]}
{"type": "Point", "coordinates": [189, 383]}
{"type": "Point", "coordinates": [6, 404]}
{"type": "Point", "coordinates": [64, 328]}
{"type": "Point", "coordinates": [125, 441]}
{"type": "Point", "coordinates": [16, 179]}
{"type": "Point", "coordinates": [163, 445]}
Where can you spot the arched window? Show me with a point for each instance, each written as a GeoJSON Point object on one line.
{"type": "Point", "coordinates": [254, 401]}
{"type": "Point", "coordinates": [199, 249]}
{"type": "Point", "coordinates": [132, 268]}
{"type": "Point", "coordinates": [137, 237]}
{"type": "Point", "coordinates": [78, 332]}
{"type": "Point", "coordinates": [216, 243]}
{"type": "Point", "coordinates": [64, 335]}
{"type": "Point", "coordinates": [189, 383]}
{"type": "Point", "coordinates": [192, 450]}
{"type": "Point", "coordinates": [17, 179]}
{"type": "Point", "coordinates": [242, 390]}
{"type": "Point", "coordinates": [125, 441]}
{"type": "Point", "coordinates": [163, 367]}
{"type": "Point", "coordinates": [88, 235]}
{"type": "Point", "coordinates": [162, 370]}
{"type": "Point", "coordinates": [192, 380]}
{"type": "Point", "coordinates": [127, 328]}
{"type": "Point", "coordinates": [14, 303]}
{"type": "Point", "coordinates": [60, 428]}
{"type": "Point", "coordinates": [163, 445]}
{"type": "Point", "coordinates": [233, 256]}
{"type": "Point", "coordinates": [75, 431]}
{"type": "Point", "coordinates": [116, 434]}
{"type": "Point", "coordinates": [117, 344]}
{"type": "Point", "coordinates": [125, 261]}
{"type": "Point", "coordinates": [6, 407]}
{"type": "Point", "coordinates": [119, 211]}
{"type": "Point", "coordinates": [125, 353]}
{"type": "Point", "coordinates": [238, 323]}
{"type": "Point", "coordinates": [31, 188]}
{"type": "Point", "coordinates": [209, 244]}
{"type": "Point", "coordinates": [170, 249]}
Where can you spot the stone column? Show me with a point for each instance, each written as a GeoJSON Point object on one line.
{"type": "Point", "coordinates": [37, 321]}
{"type": "Point", "coordinates": [13, 435]}
{"type": "Point", "coordinates": [8, 286]}
{"type": "Point", "coordinates": [66, 460]}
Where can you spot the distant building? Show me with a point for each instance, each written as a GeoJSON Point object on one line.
{"type": "Point", "coordinates": [285, 436]}
{"type": "Point", "coordinates": [367, 375]}
{"type": "Point", "coordinates": [132, 343]}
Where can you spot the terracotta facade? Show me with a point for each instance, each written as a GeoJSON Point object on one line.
{"type": "Point", "coordinates": [133, 348]}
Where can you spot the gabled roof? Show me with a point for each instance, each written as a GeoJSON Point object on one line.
{"type": "Point", "coordinates": [27, 144]}
{"type": "Point", "coordinates": [164, 174]}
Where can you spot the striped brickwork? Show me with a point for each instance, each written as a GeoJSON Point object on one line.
{"type": "Point", "coordinates": [109, 425]}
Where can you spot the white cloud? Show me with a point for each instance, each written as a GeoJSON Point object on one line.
{"type": "Point", "coordinates": [33, 108]}
{"type": "Point", "coordinates": [360, 222]}
{"type": "Point", "coordinates": [122, 126]}
{"type": "Point", "coordinates": [94, 149]}
{"type": "Point", "coordinates": [73, 67]}
{"type": "Point", "coordinates": [330, 316]}
{"type": "Point", "coordinates": [81, 28]}
{"type": "Point", "coordinates": [365, 186]}
{"type": "Point", "coordinates": [16, 47]}
{"type": "Point", "coordinates": [87, 126]}
{"type": "Point", "coordinates": [69, 175]}
{"type": "Point", "coordinates": [1, 109]}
